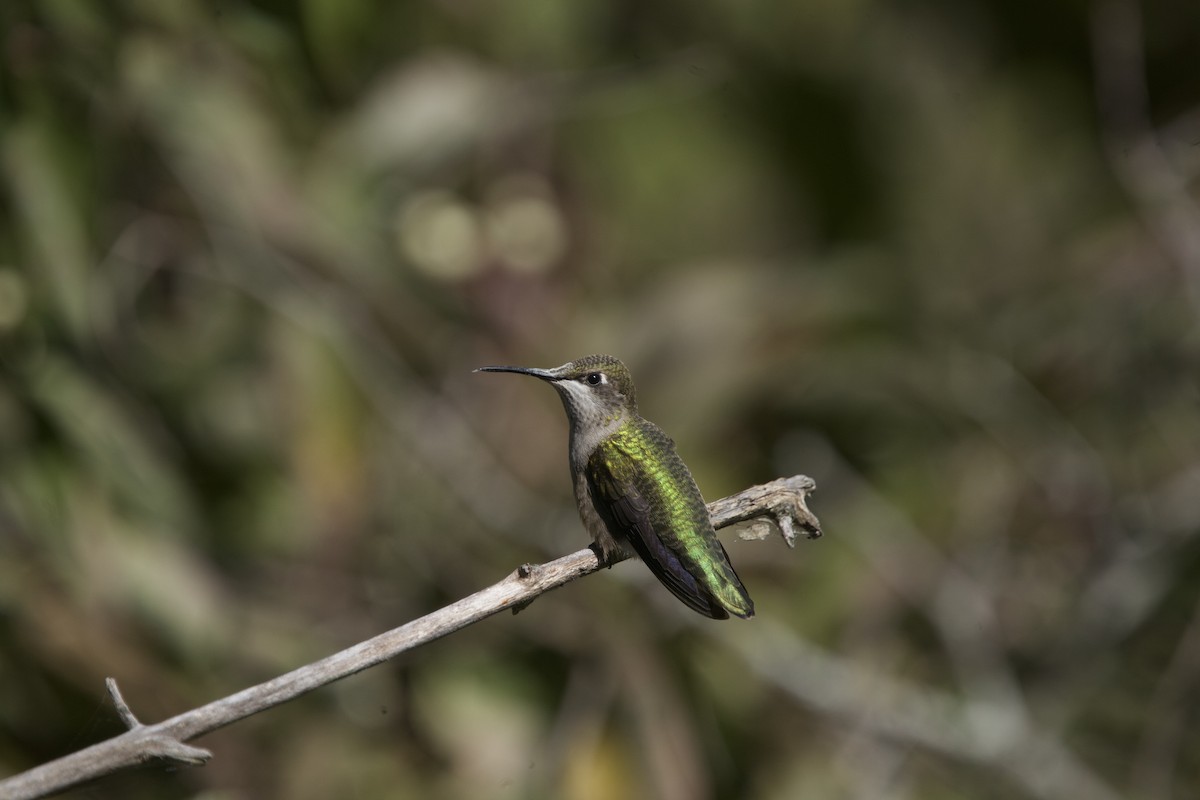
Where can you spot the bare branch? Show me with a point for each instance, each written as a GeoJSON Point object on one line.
{"type": "Point", "coordinates": [122, 707]}
{"type": "Point", "coordinates": [779, 500]}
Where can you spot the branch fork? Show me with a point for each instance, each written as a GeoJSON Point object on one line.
{"type": "Point", "coordinates": [155, 743]}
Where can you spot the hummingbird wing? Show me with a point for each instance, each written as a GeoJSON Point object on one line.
{"type": "Point", "coordinates": [646, 496]}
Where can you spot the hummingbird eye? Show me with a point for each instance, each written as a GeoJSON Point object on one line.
{"type": "Point", "coordinates": [595, 378]}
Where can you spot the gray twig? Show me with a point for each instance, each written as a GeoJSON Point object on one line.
{"type": "Point", "coordinates": [779, 500]}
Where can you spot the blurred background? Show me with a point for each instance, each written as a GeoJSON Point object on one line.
{"type": "Point", "coordinates": [944, 257]}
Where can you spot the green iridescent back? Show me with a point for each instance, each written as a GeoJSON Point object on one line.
{"type": "Point", "coordinates": [646, 496]}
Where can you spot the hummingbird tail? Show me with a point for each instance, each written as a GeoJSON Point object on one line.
{"type": "Point", "coordinates": [717, 596]}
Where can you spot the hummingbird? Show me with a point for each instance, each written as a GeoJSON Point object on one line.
{"type": "Point", "coordinates": [633, 489]}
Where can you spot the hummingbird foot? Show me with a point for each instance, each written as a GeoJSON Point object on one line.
{"type": "Point", "coordinates": [608, 556]}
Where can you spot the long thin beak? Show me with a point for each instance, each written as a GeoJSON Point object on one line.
{"type": "Point", "coordinates": [544, 374]}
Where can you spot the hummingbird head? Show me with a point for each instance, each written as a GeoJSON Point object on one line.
{"type": "Point", "coordinates": [594, 389]}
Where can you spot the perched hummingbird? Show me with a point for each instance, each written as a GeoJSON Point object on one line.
{"type": "Point", "coordinates": [633, 489]}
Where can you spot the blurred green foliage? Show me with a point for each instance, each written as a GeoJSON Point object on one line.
{"type": "Point", "coordinates": [250, 251]}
